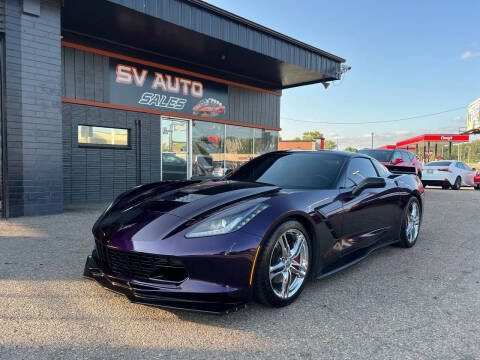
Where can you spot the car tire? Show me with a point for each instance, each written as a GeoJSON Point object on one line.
{"type": "Point", "coordinates": [419, 174]}
{"type": "Point", "coordinates": [477, 187]}
{"type": "Point", "coordinates": [457, 184]}
{"type": "Point", "coordinates": [411, 224]}
{"type": "Point", "coordinates": [445, 187]}
{"type": "Point", "coordinates": [280, 287]}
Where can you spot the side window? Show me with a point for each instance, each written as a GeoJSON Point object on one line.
{"type": "Point", "coordinates": [466, 167]}
{"type": "Point", "coordinates": [459, 165]}
{"type": "Point", "coordinates": [359, 169]}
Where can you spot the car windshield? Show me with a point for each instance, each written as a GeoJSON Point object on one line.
{"type": "Point", "coordinates": [380, 155]}
{"type": "Point", "coordinates": [292, 170]}
{"type": "Point", "coordinates": [439, 163]}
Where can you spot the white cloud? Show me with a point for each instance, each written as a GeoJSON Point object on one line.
{"type": "Point", "coordinates": [469, 54]}
{"type": "Point", "coordinates": [460, 118]}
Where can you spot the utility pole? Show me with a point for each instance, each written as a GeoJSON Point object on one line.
{"type": "Point", "coordinates": [372, 140]}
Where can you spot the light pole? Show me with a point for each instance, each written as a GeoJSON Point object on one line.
{"type": "Point", "coordinates": [372, 140]}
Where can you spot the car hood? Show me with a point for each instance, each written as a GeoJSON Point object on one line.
{"type": "Point", "coordinates": [168, 206]}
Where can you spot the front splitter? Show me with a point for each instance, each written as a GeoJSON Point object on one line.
{"type": "Point", "coordinates": [138, 294]}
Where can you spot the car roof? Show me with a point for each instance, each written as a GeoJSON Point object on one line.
{"type": "Point", "coordinates": [336, 152]}
{"type": "Point", "coordinates": [380, 150]}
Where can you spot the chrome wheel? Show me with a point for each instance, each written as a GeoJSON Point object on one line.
{"type": "Point", "coordinates": [413, 222]}
{"type": "Point", "coordinates": [289, 263]}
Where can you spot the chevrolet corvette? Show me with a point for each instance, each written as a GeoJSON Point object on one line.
{"type": "Point", "coordinates": [258, 234]}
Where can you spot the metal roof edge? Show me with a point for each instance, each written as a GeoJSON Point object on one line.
{"type": "Point", "coordinates": [222, 12]}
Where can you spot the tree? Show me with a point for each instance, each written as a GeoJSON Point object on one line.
{"type": "Point", "coordinates": [351, 149]}
{"type": "Point", "coordinates": [310, 135]}
{"type": "Point", "coordinates": [297, 138]}
{"type": "Point", "coordinates": [329, 145]}
{"type": "Point", "coordinates": [469, 152]}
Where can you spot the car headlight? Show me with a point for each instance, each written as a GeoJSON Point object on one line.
{"type": "Point", "coordinates": [226, 224]}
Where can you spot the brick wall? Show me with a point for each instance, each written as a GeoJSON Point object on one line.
{"type": "Point", "coordinates": [33, 108]}
{"type": "Point", "coordinates": [296, 145]}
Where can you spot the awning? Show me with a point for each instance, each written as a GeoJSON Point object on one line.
{"type": "Point", "coordinates": [199, 37]}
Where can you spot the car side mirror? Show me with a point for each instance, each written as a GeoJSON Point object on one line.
{"type": "Point", "coordinates": [228, 172]}
{"type": "Point", "coordinates": [474, 169]}
{"type": "Point", "coordinates": [369, 183]}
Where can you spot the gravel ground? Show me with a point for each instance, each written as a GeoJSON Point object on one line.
{"type": "Point", "coordinates": [420, 303]}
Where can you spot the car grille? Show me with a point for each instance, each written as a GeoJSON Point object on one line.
{"type": "Point", "coordinates": [141, 265]}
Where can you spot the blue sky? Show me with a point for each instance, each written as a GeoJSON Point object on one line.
{"type": "Point", "coordinates": [408, 58]}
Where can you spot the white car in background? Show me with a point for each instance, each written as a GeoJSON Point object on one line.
{"type": "Point", "coordinates": [447, 173]}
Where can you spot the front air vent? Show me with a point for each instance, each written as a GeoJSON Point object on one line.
{"type": "Point", "coordinates": [141, 265]}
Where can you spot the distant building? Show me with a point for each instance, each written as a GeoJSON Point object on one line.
{"type": "Point", "coordinates": [300, 144]}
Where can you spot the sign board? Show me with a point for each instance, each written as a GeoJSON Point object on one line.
{"type": "Point", "coordinates": [151, 88]}
{"type": "Point", "coordinates": [447, 138]}
{"type": "Point", "coordinates": [473, 118]}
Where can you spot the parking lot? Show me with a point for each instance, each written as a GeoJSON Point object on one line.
{"type": "Point", "coordinates": [419, 303]}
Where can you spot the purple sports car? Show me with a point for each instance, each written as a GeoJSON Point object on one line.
{"type": "Point", "coordinates": [259, 233]}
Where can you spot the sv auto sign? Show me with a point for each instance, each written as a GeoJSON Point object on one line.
{"type": "Point", "coordinates": [141, 86]}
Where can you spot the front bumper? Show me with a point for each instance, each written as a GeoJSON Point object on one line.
{"type": "Point", "coordinates": [190, 294]}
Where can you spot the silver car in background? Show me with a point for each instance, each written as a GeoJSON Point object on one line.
{"type": "Point", "coordinates": [447, 174]}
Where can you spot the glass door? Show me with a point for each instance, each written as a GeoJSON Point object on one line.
{"type": "Point", "coordinates": [175, 149]}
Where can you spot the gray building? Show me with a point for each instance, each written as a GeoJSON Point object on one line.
{"type": "Point", "coordinates": [99, 96]}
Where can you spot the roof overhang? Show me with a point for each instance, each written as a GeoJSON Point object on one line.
{"type": "Point", "coordinates": [202, 38]}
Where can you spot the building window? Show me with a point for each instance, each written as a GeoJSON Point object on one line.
{"type": "Point", "coordinates": [239, 146]}
{"type": "Point", "coordinates": [174, 149]}
{"type": "Point", "coordinates": [265, 141]}
{"type": "Point", "coordinates": [208, 145]}
{"type": "Point", "coordinates": [96, 136]}
{"type": "Point", "coordinates": [217, 148]}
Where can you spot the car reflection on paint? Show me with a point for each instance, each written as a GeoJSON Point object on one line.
{"type": "Point", "coordinates": [174, 167]}
{"type": "Point", "coordinates": [257, 234]}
